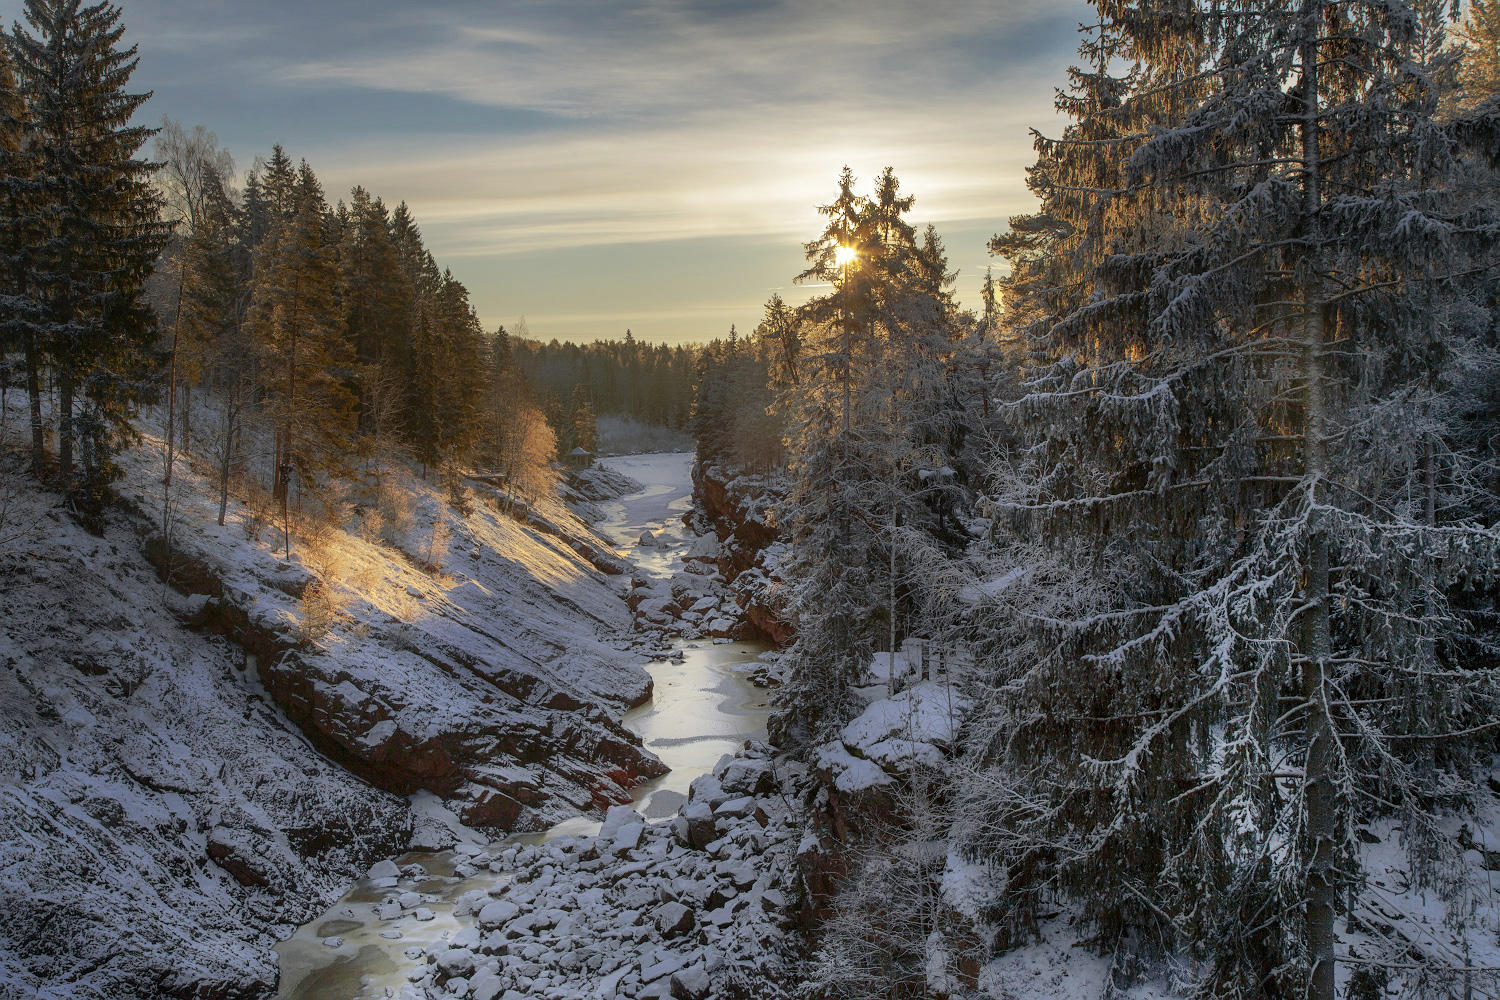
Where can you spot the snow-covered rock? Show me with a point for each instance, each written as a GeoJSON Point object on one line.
{"type": "Point", "coordinates": [384, 868]}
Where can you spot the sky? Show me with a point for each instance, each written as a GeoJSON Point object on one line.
{"type": "Point", "coordinates": [598, 165]}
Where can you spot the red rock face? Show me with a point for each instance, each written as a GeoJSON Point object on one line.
{"type": "Point", "coordinates": [744, 533]}
{"type": "Point", "coordinates": [517, 755]}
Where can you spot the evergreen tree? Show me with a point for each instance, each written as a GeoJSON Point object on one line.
{"type": "Point", "coordinates": [518, 442]}
{"type": "Point", "coordinates": [92, 224]}
{"type": "Point", "coordinates": [215, 301]}
{"type": "Point", "coordinates": [1244, 293]}
{"type": "Point", "coordinates": [585, 427]}
{"type": "Point", "coordinates": [1479, 73]}
{"type": "Point", "coordinates": [295, 319]}
{"type": "Point", "coordinates": [462, 356]}
{"type": "Point", "coordinates": [20, 315]}
{"type": "Point", "coordinates": [844, 439]}
{"type": "Point", "coordinates": [374, 288]}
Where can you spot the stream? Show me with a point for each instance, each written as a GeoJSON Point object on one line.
{"type": "Point", "coordinates": [701, 709]}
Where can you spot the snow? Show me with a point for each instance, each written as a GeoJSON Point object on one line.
{"type": "Point", "coordinates": [133, 749]}
{"type": "Point", "coordinates": [1058, 964]}
{"type": "Point", "coordinates": [473, 639]}
{"type": "Point", "coordinates": [975, 593]}
{"type": "Point", "coordinates": [925, 713]}
{"type": "Point", "coordinates": [850, 773]}
{"type": "Point", "coordinates": [579, 917]}
{"type": "Point", "coordinates": [654, 513]}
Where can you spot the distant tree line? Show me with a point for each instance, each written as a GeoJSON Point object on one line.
{"type": "Point", "coordinates": [651, 383]}
{"type": "Point", "coordinates": [734, 420]}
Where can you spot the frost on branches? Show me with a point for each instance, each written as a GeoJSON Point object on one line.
{"type": "Point", "coordinates": [1254, 300]}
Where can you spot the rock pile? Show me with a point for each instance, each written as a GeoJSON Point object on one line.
{"type": "Point", "coordinates": [690, 605]}
{"type": "Point", "coordinates": [643, 911]}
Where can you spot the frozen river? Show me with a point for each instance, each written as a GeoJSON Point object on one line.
{"type": "Point", "coordinates": [701, 709]}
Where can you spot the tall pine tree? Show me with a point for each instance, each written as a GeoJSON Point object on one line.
{"type": "Point", "coordinates": [92, 222]}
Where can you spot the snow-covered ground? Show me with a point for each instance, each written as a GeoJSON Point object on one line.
{"type": "Point", "coordinates": [170, 797]}
{"type": "Point", "coordinates": [701, 709]}
{"type": "Point", "coordinates": [636, 909]}
{"type": "Point", "coordinates": [161, 821]}
{"type": "Point", "coordinates": [467, 654]}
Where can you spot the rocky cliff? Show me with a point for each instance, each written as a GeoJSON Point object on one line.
{"type": "Point", "coordinates": [737, 509]}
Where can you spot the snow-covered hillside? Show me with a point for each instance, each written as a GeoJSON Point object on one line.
{"type": "Point", "coordinates": [171, 799]}
{"type": "Point", "coordinates": [468, 654]}
{"type": "Point", "coordinates": [134, 755]}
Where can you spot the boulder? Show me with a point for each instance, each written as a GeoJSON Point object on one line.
{"type": "Point", "coordinates": [455, 962]}
{"type": "Point", "coordinates": [691, 983]}
{"type": "Point", "coordinates": [385, 869]}
{"type": "Point", "coordinates": [485, 985]}
{"type": "Point", "coordinates": [669, 964]}
{"type": "Point", "coordinates": [706, 788]}
{"type": "Point", "coordinates": [736, 808]}
{"type": "Point", "coordinates": [628, 838]}
{"type": "Point", "coordinates": [492, 915]}
{"type": "Point", "coordinates": [700, 825]}
{"type": "Point", "coordinates": [749, 777]}
{"type": "Point", "coordinates": [616, 817]}
{"type": "Point", "coordinates": [674, 920]}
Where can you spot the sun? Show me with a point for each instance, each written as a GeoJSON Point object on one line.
{"type": "Point", "coordinates": [844, 256]}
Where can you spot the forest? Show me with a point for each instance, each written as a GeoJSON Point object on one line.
{"type": "Point", "coordinates": [1211, 503]}
{"type": "Point", "coordinates": [1201, 501]}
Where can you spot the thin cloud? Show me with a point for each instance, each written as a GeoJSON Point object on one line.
{"type": "Point", "coordinates": [579, 127]}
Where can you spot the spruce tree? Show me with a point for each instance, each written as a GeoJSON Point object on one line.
{"type": "Point", "coordinates": [376, 295]}
{"type": "Point", "coordinates": [295, 319]}
{"type": "Point", "coordinates": [850, 456]}
{"type": "Point", "coordinates": [19, 310]}
{"type": "Point", "coordinates": [216, 292]}
{"type": "Point", "coordinates": [1236, 507]}
{"type": "Point", "coordinates": [93, 227]}
{"type": "Point", "coordinates": [584, 425]}
{"type": "Point", "coordinates": [1479, 73]}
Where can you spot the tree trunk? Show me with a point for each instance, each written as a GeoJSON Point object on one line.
{"type": "Point", "coordinates": [291, 399]}
{"type": "Point", "coordinates": [34, 393]}
{"type": "Point", "coordinates": [171, 409]}
{"type": "Point", "coordinates": [227, 461]}
{"type": "Point", "coordinates": [1318, 792]}
{"type": "Point", "coordinates": [65, 426]}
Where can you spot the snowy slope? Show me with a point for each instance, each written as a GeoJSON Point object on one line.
{"type": "Point", "coordinates": [131, 752]}
{"type": "Point", "coordinates": [468, 654]}
{"type": "Point", "coordinates": [171, 800]}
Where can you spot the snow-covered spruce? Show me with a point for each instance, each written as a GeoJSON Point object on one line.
{"type": "Point", "coordinates": [643, 910]}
